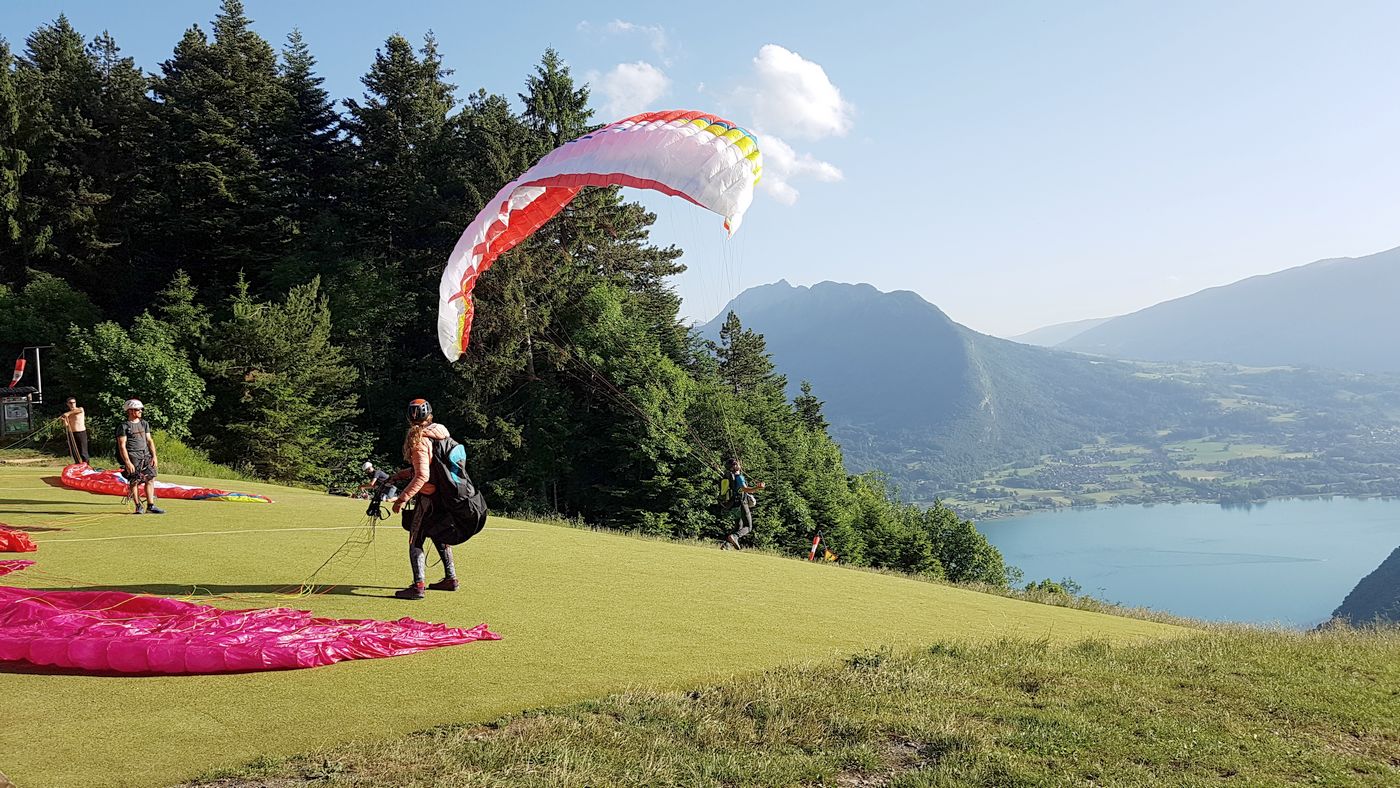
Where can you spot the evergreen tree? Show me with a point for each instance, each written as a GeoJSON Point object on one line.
{"type": "Point", "coordinates": [743, 358]}
{"type": "Point", "coordinates": [87, 131]}
{"type": "Point", "coordinates": [58, 191]}
{"type": "Point", "coordinates": [555, 109]}
{"type": "Point", "coordinates": [187, 318]}
{"type": "Point", "coordinates": [14, 162]}
{"type": "Point", "coordinates": [407, 208]}
{"type": "Point", "coordinates": [220, 104]}
{"type": "Point", "coordinates": [309, 158]}
{"type": "Point", "coordinates": [120, 161]}
{"type": "Point", "coordinates": [809, 409]}
{"type": "Point", "coordinates": [285, 397]}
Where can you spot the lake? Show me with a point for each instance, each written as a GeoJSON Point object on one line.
{"type": "Point", "coordinates": [1287, 562]}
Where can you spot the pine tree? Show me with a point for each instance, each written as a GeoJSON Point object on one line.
{"type": "Point", "coordinates": [309, 159]}
{"type": "Point", "coordinates": [809, 409]}
{"type": "Point", "coordinates": [744, 363]}
{"type": "Point", "coordinates": [14, 162]}
{"type": "Point", "coordinates": [179, 308]}
{"type": "Point", "coordinates": [286, 399]}
{"type": "Point", "coordinates": [59, 193]}
{"type": "Point", "coordinates": [408, 207]}
{"type": "Point", "coordinates": [87, 131]}
{"type": "Point", "coordinates": [555, 109]}
{"type": "Point", "coordinates": [120, 161]}
{"type": "Point", "coordinates": [219, 107]}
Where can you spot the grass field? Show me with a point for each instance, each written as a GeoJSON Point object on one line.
{"type": "Point", "coordinates": [582, 614]}
{"type": "Point", "coordinates": [1232, 706]}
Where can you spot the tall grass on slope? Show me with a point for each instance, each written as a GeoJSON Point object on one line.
{"type": "Point", "coordinates": [1254, 707]}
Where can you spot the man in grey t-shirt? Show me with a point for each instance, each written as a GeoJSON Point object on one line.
{"type": "Point", "coordinates": [137, 451]}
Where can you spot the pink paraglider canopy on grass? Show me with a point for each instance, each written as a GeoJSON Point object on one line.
{"type": "Point", "coordinates": [121, 632]}
{"type": "Point", "coordinates": [9, 566]}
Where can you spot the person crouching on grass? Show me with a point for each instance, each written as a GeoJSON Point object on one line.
{"type": "Point", "coordinates": [137, 451]}
{"type": "Point", "coordinates": [418, 451]}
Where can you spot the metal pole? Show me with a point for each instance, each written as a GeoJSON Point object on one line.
{"type": "Point", "coordinates": [39, 371]}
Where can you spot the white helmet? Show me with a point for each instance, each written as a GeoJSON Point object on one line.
{"type": "Point", "coordinates": [134, 404]}
{"type": "Point", "coordinates": [368, 466]}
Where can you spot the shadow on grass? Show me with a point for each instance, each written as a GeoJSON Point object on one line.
{"type": "Point", "coordinates": [30, 669]}
{"type": "Point", "coordinates": [197, 590]}
{"type": "Point", "coordinates": [75, 503]}
{"type": "Point", "coordinates": [40, 511]}
{"type": "Point", "coordinates": [36, 529]}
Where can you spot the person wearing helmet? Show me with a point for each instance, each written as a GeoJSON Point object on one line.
{"type": "Point", "coordinates": [377, 477]}
{"type": "Point", "coordinates": [418, 451]}
{"type": "Point", "coordinates": [137, 451]}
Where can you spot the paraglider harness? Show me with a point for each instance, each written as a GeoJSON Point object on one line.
{"type": "Point", "coordinates": [732, 497]}
{"type": "Point", "coordinates": [377, 510]}
{"type": "Point", "coordinates": [455, 509]}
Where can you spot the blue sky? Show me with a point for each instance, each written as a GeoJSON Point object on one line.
{"type": "Point", "coordinates": [1017, 163]}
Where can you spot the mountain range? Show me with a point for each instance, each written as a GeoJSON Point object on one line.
{"type": "Point", "coordinates": [937, 405]}
{"type": "Point", "coordinates": [1337, 314]}
{"type": "Point", "coordinates": [911, 392]}
{"type": "Point", "coordinates": [1050, 336]}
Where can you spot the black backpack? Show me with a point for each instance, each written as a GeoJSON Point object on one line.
{"type": "Point", "coordinates": [456, 496]}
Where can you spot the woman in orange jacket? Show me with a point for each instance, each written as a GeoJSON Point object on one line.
{"type": "Point", "coordinates": [418, 451]}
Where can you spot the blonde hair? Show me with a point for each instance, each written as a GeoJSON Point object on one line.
{"type": "Point", "coordinates": [415, 432]}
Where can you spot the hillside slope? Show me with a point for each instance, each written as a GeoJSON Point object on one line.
{"type": "Point", "coordinates": [1376, 598]}
{"type": "Point", "coordinates": [581, 614]}
{"type": "Point", "coordinates": [909, 391]}
{"type": "Point", "coordinates": [1337, 314]}
{"type": "Point", "coordinates": [1050, 336]}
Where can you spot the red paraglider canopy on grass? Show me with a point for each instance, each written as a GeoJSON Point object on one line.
{"type": "Point", "coordinates": [113, 631]}
{"type": "Point", "coordinates": [13, 541]}
{"type": "Point", "coordinates": [82, 477]}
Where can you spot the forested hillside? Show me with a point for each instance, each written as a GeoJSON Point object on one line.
{"type": "Point", "coordinates": [261, 268]}
{"type": "Point", "coordinates": [1000, 427]}
{"type": "Point", "coordinates": [910, 391]}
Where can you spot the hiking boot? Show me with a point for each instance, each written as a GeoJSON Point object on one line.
{"type": "Point", "coordinates": [153, 509]}
{"type": "Point", "coordinates": [445, 584]}
{"type": "Point", "coordinates": [414, 591]}
{"type": "Point", "coordinates": [734, 540]}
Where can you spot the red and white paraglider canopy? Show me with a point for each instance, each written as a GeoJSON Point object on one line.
{"type": "Point", "coordinates": [684, 153]}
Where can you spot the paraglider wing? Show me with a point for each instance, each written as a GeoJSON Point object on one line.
{"type": "Point", "coordinates": [82, 477]}
{"type": "Point", "coordinates": [8, 566]}
{"type": "Point", "coordinates": [127, 633]}
{"type": "Point", "coordinates": [15, 541]}
{"type": "Point", "coordinates": [683, 153]}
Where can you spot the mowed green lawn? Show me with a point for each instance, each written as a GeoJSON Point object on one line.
{"type": "Point", "coordinates": [582, 614]}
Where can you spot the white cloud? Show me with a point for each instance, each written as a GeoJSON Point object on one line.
{"type": "Point", "coordinates": [655, 35]}
{"type": "Point", "coordinates": [629, 88]}
{"type": "Point", "coordinates": [794, 97]}
{"type": "Point", "coordinates": [790, 97]}
{"type": "Point", "coordinates": [781, 164]}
